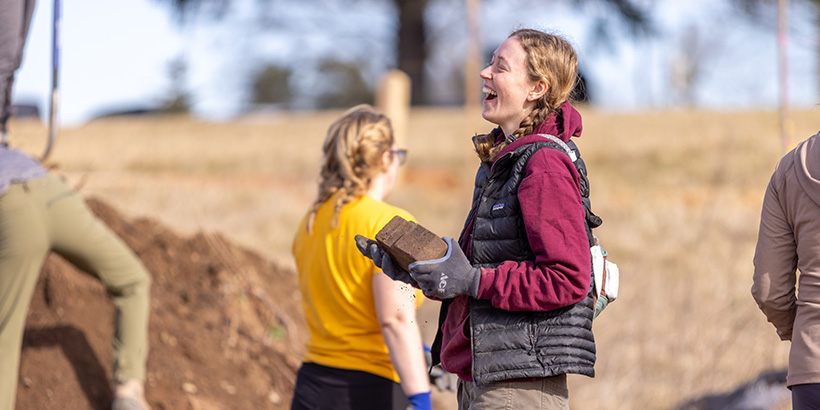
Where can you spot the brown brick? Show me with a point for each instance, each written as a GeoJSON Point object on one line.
{"type": "Point", "coordinates": [408, 242]}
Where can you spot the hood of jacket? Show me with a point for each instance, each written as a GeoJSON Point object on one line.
{"type": "Point", "coordinates": [563, 123]}
{"type": "Point", "coordinates": [807, 166]}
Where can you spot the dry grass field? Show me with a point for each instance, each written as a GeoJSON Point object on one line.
{"type": "Point", "coordinates": [679, 192]}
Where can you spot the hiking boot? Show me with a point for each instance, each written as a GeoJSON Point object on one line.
{"type": "Point", "coordinates": [129, 395]}
{"type": "Point", "coordinates": [4, 138]}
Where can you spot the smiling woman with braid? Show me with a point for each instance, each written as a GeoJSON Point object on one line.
{"type": "Point", "coordinates": [517, 305]}
{"type": "Point", "coordinates": [365, 349]}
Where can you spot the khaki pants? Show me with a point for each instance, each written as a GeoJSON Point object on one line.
{"type": "Point", "coordinates": [543, 394]}
{"type": "Point", "coordinates": [45, 215]}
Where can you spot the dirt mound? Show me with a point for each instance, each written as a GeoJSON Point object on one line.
{"type": "Point", "coordinates": [226, 327]}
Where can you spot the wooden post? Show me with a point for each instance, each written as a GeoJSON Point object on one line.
{"type": "Point", "coordinates": [472, 60]}
{"type": "Point", "coordinates": [393, 100]}
{"type": "Point", "coordinates": [783, 73]}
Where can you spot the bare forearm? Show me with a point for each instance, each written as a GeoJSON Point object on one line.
{"type": "Point", "coordinates": [403, 340]}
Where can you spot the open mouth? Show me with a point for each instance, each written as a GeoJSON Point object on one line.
{"type": "Point", "coordinates": [491, 95]}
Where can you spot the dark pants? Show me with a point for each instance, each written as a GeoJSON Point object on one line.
{"type": "Point", "coordinates": [328, 388]}
{"type": "Point", "coordinates": [15, 18]}
{"type": "Point", "coordinates": [806, 396]}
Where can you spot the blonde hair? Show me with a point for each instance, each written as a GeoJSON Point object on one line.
{"type": "Point", "coordinates": [353, 151]}
{"type": "Point", "coordinates": [551, 58]}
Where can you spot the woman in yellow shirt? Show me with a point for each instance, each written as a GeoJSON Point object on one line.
{"type": "Point", "coordinates": [365, 348]}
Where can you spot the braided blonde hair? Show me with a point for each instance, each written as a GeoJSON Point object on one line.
{"type": "Point", "coordinates": [353, 151]}
{"type": "Point", "coordinates": [551, 58]}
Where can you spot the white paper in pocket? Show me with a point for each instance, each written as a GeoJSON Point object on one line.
{"type": "Point", "coordinates": [612, 279]}
{"type": "Point", "coordinates": [598, 269]}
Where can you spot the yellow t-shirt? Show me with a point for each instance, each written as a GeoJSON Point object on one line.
{"type": "Point", "coordinates": [336, 282]}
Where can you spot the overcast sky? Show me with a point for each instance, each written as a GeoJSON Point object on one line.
{"type": "Point", "coordinates": [115, 54]}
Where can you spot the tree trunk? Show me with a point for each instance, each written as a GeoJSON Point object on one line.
{"type": "Point", "coordinates": [412, 47]}
{"type": "Point", "coordinates": [816, 4]}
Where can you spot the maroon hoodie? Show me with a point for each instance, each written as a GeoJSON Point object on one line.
{"type": "Point", "coordinates": [554, 218]}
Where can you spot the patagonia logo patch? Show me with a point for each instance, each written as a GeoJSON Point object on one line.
{"type": "Point", "coordinates": [498, 207]}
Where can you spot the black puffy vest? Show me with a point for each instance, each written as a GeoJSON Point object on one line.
{"type": "Point", "coordinates": [514, 345]}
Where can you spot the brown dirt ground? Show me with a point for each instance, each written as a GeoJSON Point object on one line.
{"type": "Point", "coordinates": [226, 329]}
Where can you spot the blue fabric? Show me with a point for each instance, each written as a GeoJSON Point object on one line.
{"type": "Point", "coordinates": [806, 396]}
{"type": "Point", "coordinates": [421, 401]}
{"type": "Point", "coordinates": [16, 166]}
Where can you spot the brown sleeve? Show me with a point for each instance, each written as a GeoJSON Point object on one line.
{"type": "Point", "coordinates": [775, 262]}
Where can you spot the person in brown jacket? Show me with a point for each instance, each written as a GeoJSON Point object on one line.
{"type": "Point", "coordinates": [788, 240]}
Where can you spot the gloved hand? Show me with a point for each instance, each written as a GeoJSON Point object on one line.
{"type": "Point", "coordinates": [447, 277]}
{"type": "Point", "coordinates": [420, 401]}
{"type": "Point", "coordinates": [371, 249]}
{"type": "Point", "coordinates": [443, 380]}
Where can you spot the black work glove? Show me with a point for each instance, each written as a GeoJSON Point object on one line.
{"type": "Point", "coordinates": [443, 380]}
{"type": "Point", "coordinates": [447, 277]}
{"type": "Point", "coordinates": [371, 249]}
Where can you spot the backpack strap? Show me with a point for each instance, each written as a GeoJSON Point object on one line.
{"type": "Point", "coordinates": [563, 146]}
{"type": "Point", "coordinates": [601, 268]}
{"type": "Point", "coordinates": [571, 150]}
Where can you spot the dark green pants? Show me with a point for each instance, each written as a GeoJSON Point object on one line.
{"type": "Point", "coordinates": [45, 215]}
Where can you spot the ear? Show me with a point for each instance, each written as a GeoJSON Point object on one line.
{"type": "Point", "coordinates": [387, 159]}
{"type": "Point", "coordinates": [538, 90]}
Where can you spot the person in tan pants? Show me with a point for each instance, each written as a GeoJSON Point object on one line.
{"type": "Point", "coordinates": [40, 213]}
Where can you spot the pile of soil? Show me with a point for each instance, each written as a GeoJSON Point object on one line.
{"type": "Point", "coordinates": [226, 328]}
